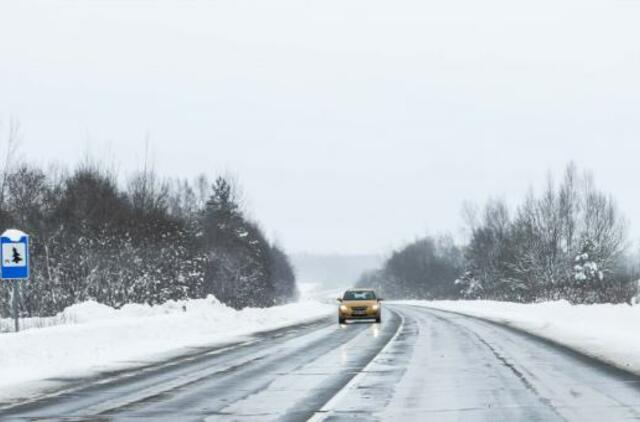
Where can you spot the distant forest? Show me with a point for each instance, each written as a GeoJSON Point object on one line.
{"type": "Point", "coordinates": [147, 242]}
{"type": "Point", "coordinates": [570, 242]}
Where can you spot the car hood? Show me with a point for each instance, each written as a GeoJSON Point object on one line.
{"type": "Point", "coordinates": [359, 302]}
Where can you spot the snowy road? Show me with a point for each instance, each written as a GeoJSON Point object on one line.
{"type": "Point", "coordinates": [419, 364]}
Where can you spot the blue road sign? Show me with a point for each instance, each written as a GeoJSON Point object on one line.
{"type": "Point", "coordinates": [14, 254]}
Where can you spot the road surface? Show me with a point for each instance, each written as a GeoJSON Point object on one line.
{"type": "Point", "coordinates": [419, 364]}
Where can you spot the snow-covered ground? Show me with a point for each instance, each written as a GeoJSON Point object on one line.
{"type": "Point", "coordinates": [320, 293]}
{"type": "Point", "coordinates": [605, 332]}
{"type": "Point", "coordinates": [89, 337]}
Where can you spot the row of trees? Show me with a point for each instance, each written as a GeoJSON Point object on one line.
{"type": "Point", "coordinates": [424, 269]}
{"type": "Point", "coordinates": [147, 243]}
{"type": "Point", "coordinates": [568, 243]}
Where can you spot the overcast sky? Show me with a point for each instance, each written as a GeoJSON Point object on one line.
{"type": "Point", "coordinates": [353, 125]}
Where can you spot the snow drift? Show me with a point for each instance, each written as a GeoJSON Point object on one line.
{"type": "Point", "coordinates": [97, 337]}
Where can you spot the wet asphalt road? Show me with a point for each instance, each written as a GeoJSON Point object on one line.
{"type": "Point", "coordinates": [419, 364]}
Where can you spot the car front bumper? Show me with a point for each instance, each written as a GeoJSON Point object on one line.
{"type": "Point", "coordinates": [366, 315]}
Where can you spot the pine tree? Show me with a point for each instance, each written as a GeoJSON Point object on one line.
{"type": "Point", "coordinates": [586, 270]}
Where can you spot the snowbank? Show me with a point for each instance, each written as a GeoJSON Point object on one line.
{"type": "Point", "coordinates": [604, 332]}
{"type": "Point", "coordinates": [97, 337]}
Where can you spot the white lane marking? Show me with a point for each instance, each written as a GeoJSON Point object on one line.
{"type": "Point", "coordinates": [294, 386]}
{"type": "Point", "coordinates": [323, 412]}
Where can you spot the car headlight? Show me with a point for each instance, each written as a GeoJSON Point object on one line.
{"type": "Point", "coordinates": [375, 307]}
{"type": "Point", "coordinates": [343, 308]}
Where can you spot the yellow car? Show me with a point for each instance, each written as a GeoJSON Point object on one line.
{"type": "Point", "coordinates": [359, 304]}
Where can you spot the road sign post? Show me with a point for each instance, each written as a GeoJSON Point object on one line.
{"type": "Point", "coordinates": [14, 257]}
{"type": "Point", "coordinates": [15, 293]}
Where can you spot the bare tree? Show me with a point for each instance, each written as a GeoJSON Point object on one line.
{"type": "Point", "coordinates": [535, 255]}
{"type": "Point", "coordinates": [9, 151]}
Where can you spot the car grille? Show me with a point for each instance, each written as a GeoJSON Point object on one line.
{"type": "Point", "coordinates": [359, 308]}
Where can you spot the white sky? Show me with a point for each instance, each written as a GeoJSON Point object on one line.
{"type": "Point", "coordinates": [353, 125]}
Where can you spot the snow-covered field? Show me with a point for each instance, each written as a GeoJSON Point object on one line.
{"type": "Point", "coordinates": [88, 338]}
{"type": "Point", "coordinates": [318, 292]}
{"type": "Point", "coordinates": [606, 332]}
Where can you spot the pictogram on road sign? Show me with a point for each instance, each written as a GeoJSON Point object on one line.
{"type": "Point", "coordinates": [14, 255]}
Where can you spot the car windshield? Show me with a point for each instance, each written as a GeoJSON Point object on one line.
{"type": "Point", "coordinates": [355, 295]}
